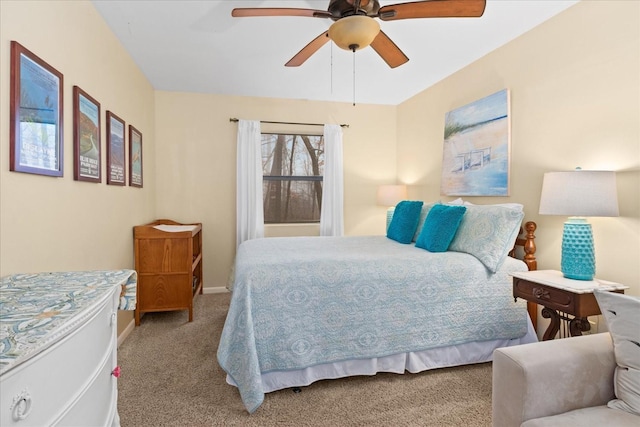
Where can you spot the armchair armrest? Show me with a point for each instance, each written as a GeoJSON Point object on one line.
{"type": "Point", "coordinates": [551, 377]}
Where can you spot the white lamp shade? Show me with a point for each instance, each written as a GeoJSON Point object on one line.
{"type": "Point", "coordinates": [579, 193]}
{"type": "Point", "coordinates": [391, 195]}
{"type": "Point", "coordinates": [354, 32]}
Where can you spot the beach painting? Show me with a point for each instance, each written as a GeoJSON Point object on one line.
{"type": "Point", "coordinates": [475, 158]}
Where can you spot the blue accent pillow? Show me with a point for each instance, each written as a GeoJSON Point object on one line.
{"type": "Point", "coordinates": [423, 216]}
{"type": "Point", "coordinates": [405, 221]}
{"type": "Point", "coordinates": [440, 227]}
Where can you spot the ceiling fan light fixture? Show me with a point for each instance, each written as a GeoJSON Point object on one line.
{"type": "Point", "coordinates": [354, 32]}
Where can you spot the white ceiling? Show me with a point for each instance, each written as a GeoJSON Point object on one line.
{"type": "Point", "coordinates": [196, 46]}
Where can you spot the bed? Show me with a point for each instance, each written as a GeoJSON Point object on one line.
{"type": "Point", "coordinates": [310, 308]}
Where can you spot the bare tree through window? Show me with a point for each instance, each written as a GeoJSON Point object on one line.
{"type": "Point", "coordinates": [292, 170]}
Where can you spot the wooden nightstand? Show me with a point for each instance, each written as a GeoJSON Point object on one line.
{"type": "Point", "coordinates": [561, 297]}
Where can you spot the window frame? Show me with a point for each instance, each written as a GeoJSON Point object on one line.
{"type": "Point", "coordinates": [293, 178]}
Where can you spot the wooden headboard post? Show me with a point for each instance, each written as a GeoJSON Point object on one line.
{"type": "Point", "coordinates": [529, 245]}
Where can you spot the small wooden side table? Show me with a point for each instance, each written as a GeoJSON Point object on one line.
{"type": "Point", "coordinates": [561, 297]}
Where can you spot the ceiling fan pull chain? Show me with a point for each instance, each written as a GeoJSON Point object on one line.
{"type": "Point", "coordinates": [354, 76]}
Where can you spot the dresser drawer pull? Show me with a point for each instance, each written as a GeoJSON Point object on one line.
{"type": "Point", "coordinates": [541, 293]}
{"type": "Point", "coordinates": [116, 372]}
{"type": "Point", "coordinates": [21, 406]}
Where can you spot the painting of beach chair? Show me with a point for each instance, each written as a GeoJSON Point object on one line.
{"type": "Point", "coordinates": [471, 159]}
{"type": "Point", "coordinates": [476, 151]}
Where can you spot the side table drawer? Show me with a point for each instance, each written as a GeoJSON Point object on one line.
{"type": "Point", "coordinates": [547, 296]}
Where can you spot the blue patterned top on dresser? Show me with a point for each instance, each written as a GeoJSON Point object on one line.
{"type": "Point", "coordinates": [33, 307]}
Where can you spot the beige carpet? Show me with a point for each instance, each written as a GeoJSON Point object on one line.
{"type": "Point", "coordinates": [170, 377]}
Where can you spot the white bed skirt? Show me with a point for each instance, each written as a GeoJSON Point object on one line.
{"type": "Point", "coordinates": [456, 355]}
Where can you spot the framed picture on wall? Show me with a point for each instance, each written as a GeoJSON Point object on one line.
{"type": "Point", "coordinates": [135, 157]}
{"type": "Point", "coordinates": [116, 174]}
{"type": "Point", "coordinates": [86, 137]}
{"type": "Point", "coordinates": [36, 115]}
{"type": "Point", "coordinates": [477, 147]}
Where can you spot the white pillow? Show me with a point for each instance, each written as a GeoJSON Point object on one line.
{"type": "Point", "coordinates": [517, 206]}
{"type": "Point", "coordinates": [488, 232]}
{"type": "Point", "coordinates": [622, 314]}
{"type": "Point", "coordinates": [460, 201]}
{"type": "Point", "coordinates": [456, 202]}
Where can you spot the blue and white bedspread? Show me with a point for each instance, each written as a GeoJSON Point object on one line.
{"type": "Point", "coordinates": [302, 301]}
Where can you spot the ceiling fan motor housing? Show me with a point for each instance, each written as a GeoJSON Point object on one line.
{"type": "Point", "coordinates": [342, 8]}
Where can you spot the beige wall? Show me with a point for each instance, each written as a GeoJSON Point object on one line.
{"type": "Point", "coordinates": [575, 96]}
{"type": "Point", "coordinates": [575, 101]}
{"type": "Point", "coordinates": [196, 150]}
{"type": "Point", "coordinates": [58, 224]}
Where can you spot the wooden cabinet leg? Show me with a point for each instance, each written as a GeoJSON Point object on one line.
{"type": "Point", "coordinates": [532, 308]}
{"type": "Point", "coordinates": [579, 325]}
{"type": "Point", "coordinates": [554, 326]}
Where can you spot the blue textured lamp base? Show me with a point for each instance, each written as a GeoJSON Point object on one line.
{"type": "Point", "coordinates": [578, 257]}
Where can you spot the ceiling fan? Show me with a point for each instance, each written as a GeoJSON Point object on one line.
{"type": "Point", "coordinates": [355, 26]}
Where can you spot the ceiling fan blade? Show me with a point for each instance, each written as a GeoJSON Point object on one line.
{"type": "Point", "coordinates": [278, 11]}
{"type": "Point", "coordinates": [308, 50]}
{"type": "Point", "coordinates": [388, 50]}
{"type": "Point", "coordinates": [433, 9]}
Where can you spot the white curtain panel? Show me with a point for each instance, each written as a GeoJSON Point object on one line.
{"type": "Point", "coordinates": [249, 211]}
{"type": "Point", "coordinates": [331, 214]}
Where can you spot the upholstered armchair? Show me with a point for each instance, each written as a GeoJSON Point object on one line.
{"type": "Point", "coordinates": [565, 382]}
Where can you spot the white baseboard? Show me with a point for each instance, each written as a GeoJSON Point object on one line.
{"type": "Point", "coordinates": [215, 290]}
{"type": "Point", "coordinates": [127, 331]}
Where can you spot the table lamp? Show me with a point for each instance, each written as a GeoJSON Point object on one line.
{"type": "Point", "coordinates": [391, 195]}
{"type": "Point", "coordinates": [578, 194]}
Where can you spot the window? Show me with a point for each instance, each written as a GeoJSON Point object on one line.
{"type": "Point", "coordinates": [292, 170]}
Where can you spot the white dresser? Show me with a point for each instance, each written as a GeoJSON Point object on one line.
{"type": "Point", "coordinates": [58, 347]}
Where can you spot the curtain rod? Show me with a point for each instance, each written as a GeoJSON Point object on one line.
{"type": "Point", "coordinates": [291, 123]}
